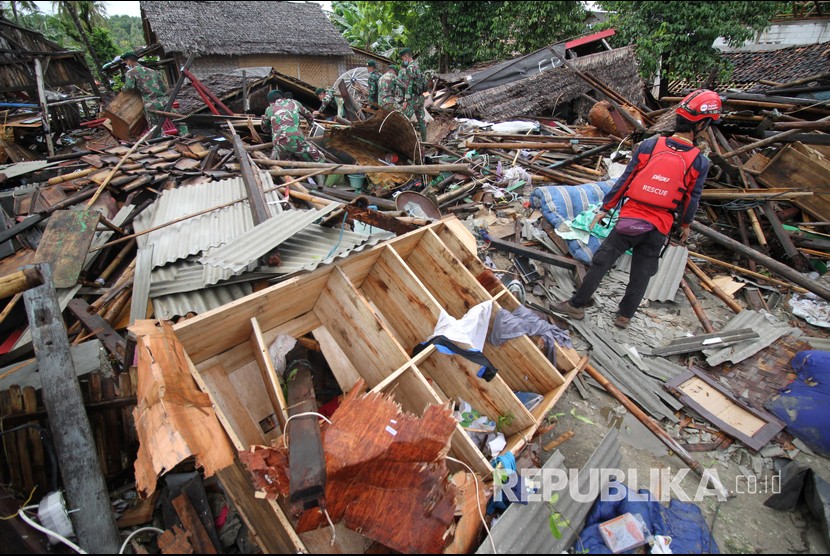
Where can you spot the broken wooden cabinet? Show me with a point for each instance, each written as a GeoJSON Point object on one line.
{"type": "Point", "coordinates": [367, 313]}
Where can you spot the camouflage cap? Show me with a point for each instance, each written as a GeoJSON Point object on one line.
{"type": "Point", "coordinates": [371, 63]}
{"type": "Point", "coordinates": [129, 56]}
{"type": "Point", "coordinates": [319, 91]}
{"type": "Point", "coordinates": [404, 51]}
{"type": "Point", "coordinates": [394, 68]}
{"type": "Point", "coordinates": [274, 95]}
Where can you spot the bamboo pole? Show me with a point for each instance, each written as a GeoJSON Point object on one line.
{"type": "Point", "coordinates": [696, 307]}
{"type": "Point", "coordinates": [773, 265]}
{"type": "Point", "coordinates": [748, 272]}
{"type": "Point", "coordinates": [67, 177]}
{"type": "Point", "coordinates": [767, 141]}
{"type": "Point", "coordinates": [19, 281]}
{"type": "Point", "coordinates": [725, 297]}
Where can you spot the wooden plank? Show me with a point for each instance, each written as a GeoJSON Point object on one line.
{"type": "Point", "coordinates": [80, 469]}
{"type": "Point", "coordinates": [250, 390]}
{"type": "Point", "coordinates": [342, 368]}
{"type": "Point", "coordinates": [192, 524]}
{"type": "Point", "coordinates": [94, 323]}
{"type": "Point", "coordinates": [21, 439]}
{"type": "Point", "coordinates": [38, 461]}
{"type": "Point", "coordinates": [712, 402]}
{"type": "Point", "coordinates": [793, 168]}
{"type": "Point", "coordinates": [270, 528]}
{"type": "Point", "coordinates": [367, 342]}
{"type": "Point", "coordinates": [65, 244]}
{"type": "Point", "coordinates": [269, 375]}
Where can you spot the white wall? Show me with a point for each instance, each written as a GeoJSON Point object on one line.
{"type": "Point", "coordinates": [782, 35]}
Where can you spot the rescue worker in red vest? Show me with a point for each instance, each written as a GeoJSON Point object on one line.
{"type": "Point", "coordinates": [663, 180]}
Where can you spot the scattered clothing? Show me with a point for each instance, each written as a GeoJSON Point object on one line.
{"type": "Point", "coordinates": [524, 321]}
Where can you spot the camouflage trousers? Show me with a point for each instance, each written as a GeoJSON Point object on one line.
{"type": "Point", "coordinates": [153, 118]}
{"type": "Point", "coordinates": [416, 107]}
{"type": "Point", "coordinates": [391, 106]}
{"type": "Point", "coordinates": [296, 146]}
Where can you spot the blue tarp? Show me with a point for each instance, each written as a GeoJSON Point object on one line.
{"type": "Point", "coordinates": [681, 521]}
{"type": "Point", "coordinates": [804, 405]}
{"type": "Point", "coordinates": [559, 203]}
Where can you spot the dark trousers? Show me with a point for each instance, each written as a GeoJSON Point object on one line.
{"type": "Point", "coordinates": [644, 265]}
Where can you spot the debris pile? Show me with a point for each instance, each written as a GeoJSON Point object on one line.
{"type": "Point", "coordinates": [358, 261]}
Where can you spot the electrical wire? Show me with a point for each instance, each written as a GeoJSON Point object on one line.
{"type": "Point", "coordinates": [340, 238]}
{"type": "Point", "coordinates": [478, 504]}
{"type": "Point", "coordinates": [46, 531]}
{"type": "Point", "coordinates": [333, 530]}
{"type": "Point", "coordinates": [303, 414]}
{"type": "Point", "coordinates": [15, 514]}
{"type": "Point", "coordinates": [136, 532]}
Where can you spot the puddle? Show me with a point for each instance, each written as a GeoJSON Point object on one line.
{"type": "Point", "coordinates": [633, 432]}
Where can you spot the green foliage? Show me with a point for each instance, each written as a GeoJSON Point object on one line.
{"type": "Point", "coordinates": [504, 421]}
{"type": "Point", "coordinates": [369, 25]}
{"type": "Point", "coordinates": [127, 32]}
{"type": "Point", "coordinates": [449, 35]}
{"type": "Point", "coordinates": [102, 43]}
{"type": "Point", "coordinates": [15, 10]}
{"type": "Point", "coordinates": [682, 33]}
{"type": "Point", "coordinates": [556, 521]}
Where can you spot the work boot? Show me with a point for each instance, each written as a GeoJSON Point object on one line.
{"type": "Point", "coordinates": [622, 322]}
{"type": "Point", "coordinates": [566, 308]}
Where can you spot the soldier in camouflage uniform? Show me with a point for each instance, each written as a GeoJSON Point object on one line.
{"type": "Point", "coordinates": [415, 85]}
{"type": "Point", "coordinates": [149, 83]}
{"type": "Point", "coordinates": [390, 92]}
{"type": "Point", "coordinates": [285, 125]}
{"type": "Point", "coordinates": [266, 118]}
{"type": "Point", "coordinates": [326, 97]}
{"type": "Point", "coordinates": [374, 77]}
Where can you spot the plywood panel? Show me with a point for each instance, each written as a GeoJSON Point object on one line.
{"type": "Point", "coordinates": [231, 409]}
{"type": "Point", "coordinates": [357, 330]}
{"type": "Point", "coordinates": [342, 368]}
{"type": "Point", "coordinates": [249, 386]}
{"type": "Point", "coordinates": [722, 407]}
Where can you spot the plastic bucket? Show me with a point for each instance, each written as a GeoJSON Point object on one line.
{"type": "Point", "coordinates": [357, 180]}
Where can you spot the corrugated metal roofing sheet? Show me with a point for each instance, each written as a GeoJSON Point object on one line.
{"type": "Point", "coordinates": [317, 245]}
{"type": "Point", "coordinates": [234, 256]}
{"type": "Point", "coordinates": [525, 529]}
{"type": "Point", "coordinates": [766, 325]}
{"type": "Point", "coordinates": [663, 285]}
{"type": "Point", "coordinates": [215, 228]}
{"type": "Point", "coordinates": [662, 369]}
{"type": "Point", "coordinates": [201, 301]}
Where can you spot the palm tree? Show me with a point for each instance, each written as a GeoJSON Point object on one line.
{"type": "Point", "coordinates": [22, 5]}
{"type": "Point", "coordinates": [84, 15]}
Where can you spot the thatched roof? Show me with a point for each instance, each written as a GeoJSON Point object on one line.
{"type": "Point", "coordinates": [542, 93]}
{"type": "Point", "coordinates": [243, 28]}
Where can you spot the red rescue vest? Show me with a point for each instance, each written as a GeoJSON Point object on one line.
{"type": "Point", "coordinates": [662, 182]}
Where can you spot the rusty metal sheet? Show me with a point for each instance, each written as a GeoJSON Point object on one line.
{"type": "Point", "coordinates": [65, 244]}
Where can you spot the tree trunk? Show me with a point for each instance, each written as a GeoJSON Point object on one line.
{"type": "Point", "coordinates": [14, 12]}
{"type": "Point", "coordinates": [85, 38]}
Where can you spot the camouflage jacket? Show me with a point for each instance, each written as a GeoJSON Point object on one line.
{"type": "Point", "coordinates": [146, 81]}
{"type": "Point", "coordinates": [413, 80]}
{"type": "Point", "coordinates": [374, 78]}
{"type": "Point", "coordinates": [390, 90]}
{"type": "Point", "coordinates": [285, 119]}
{"type": "Point", "coordinates": [328, 98]}
{"type": "Point", "coordinates": [266, 119]}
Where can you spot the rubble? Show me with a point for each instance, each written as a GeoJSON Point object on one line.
{"type": "Point", "coordinates": [208, 233]}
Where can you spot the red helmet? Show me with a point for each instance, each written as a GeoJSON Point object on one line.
{"type": "Point", "coordinates": [701, 104]}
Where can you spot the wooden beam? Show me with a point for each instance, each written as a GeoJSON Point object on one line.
{"type": "Point", "coordinates": [250, 177]}
{"type": "Point", "coordinates": [86, 489]}
{"type": "Point", "coordinates": [44, 106]}
{"type": "Point", "coordinates": [95, 323]}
